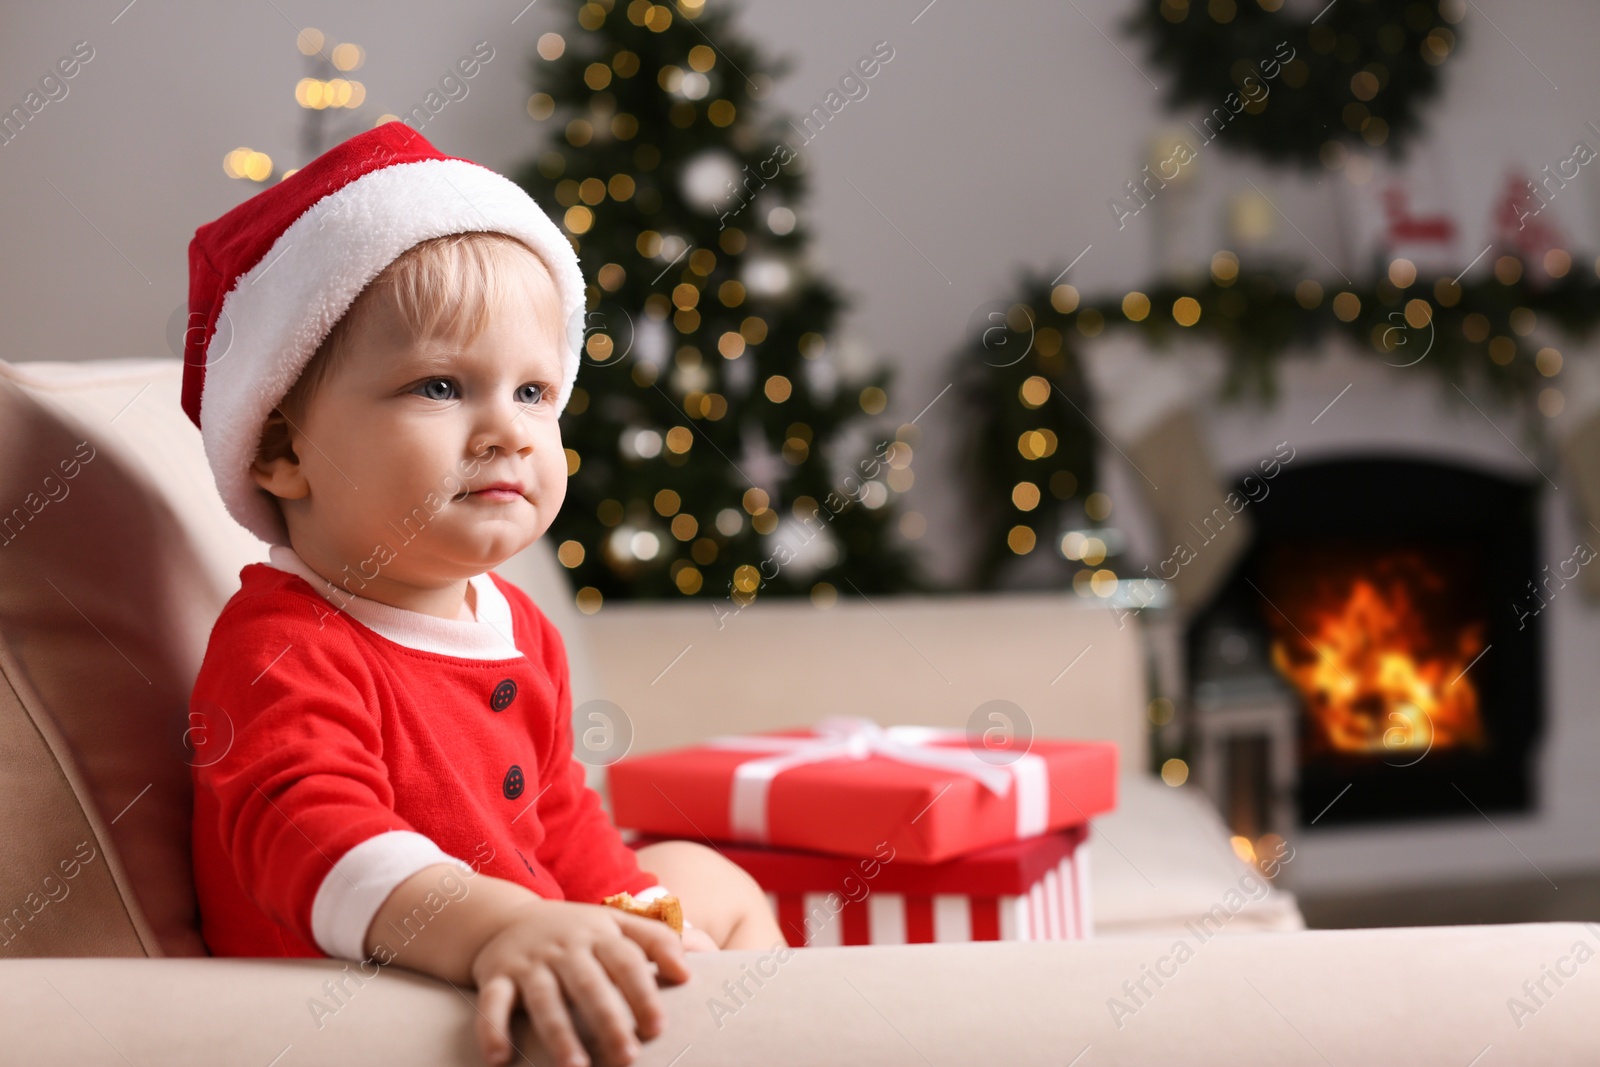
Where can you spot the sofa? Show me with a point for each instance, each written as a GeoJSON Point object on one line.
{"type": "Point", "coordinates": [116, 555]}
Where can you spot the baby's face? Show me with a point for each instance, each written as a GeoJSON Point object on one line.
{"type": "Point", "coordinates": [402, 438]}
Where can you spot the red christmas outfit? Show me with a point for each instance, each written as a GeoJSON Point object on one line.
{"type": "Point", "coordinates": [342, 745]}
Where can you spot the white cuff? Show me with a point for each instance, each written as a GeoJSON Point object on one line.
{"type": "Point", "coordinates": [356, 887]}
{"type": "Point", "coordinates": [645, 896]}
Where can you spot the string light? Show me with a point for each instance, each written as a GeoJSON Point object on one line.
{"type": "Point", "coordinates": [1064, 298]}
{"type": "Point", "coordinates": [347, 56]}
{"type": "Point", "coordinates": [247, 163]}
{"type": "Point", "coordinates": [1034, 391]}
{"type": "Point", "coordinates": [317, 94]}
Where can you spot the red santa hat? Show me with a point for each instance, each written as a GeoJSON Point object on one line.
{"type": "Point", "coordinates": [269, 279]}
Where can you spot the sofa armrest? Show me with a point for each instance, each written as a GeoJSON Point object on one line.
{"type": "Point", "coordinates": [685, 671]}
{"type": "Point", "coordinates": [1437, 995]}
{"type": "Point", "coordinates": [1162, 860]}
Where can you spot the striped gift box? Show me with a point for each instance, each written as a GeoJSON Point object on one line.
{"type": "Point", "coordinates": [1036, 889]}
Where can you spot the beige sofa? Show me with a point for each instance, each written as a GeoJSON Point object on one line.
{"type": "Point", "coordinates": [116, 555]}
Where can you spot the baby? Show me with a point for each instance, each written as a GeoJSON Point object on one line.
{"type": "Point", "coordinates": [381, 345]}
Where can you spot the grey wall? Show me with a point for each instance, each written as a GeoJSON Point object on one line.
{"type": "Point", "coordinates": [991, 141]}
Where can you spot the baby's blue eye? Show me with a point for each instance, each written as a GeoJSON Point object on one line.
{"type": "Point", "coordinates": [530, 393]}
{"type": "Point", "coordinates": [435, 381]}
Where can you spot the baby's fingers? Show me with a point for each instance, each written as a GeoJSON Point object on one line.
{"type": "Point", "coordinates": [661, 943]}
{"type": "Point", "coordinates": [542, 995]}
{"type": "Point", "coordinates": [600, 1005]}
{"type": "Point", "coordinates": [625, 962]}
{"type": "Point", "coordinates": [697, 940]}
{"type": "Point", "coordinates": [495, 1001]}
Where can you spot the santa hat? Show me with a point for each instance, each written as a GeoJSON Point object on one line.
{"type": "Point", "coordinates": [269, 279]}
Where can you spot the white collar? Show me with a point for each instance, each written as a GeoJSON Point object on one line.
{"type": "Point", "coordinates": [488, 637]}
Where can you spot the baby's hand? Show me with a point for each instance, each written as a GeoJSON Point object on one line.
{"type": "Point", "coordinates": [598, 957]}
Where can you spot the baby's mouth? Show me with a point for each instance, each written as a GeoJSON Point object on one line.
{"type": "Point", "coordinates": [491, 495]}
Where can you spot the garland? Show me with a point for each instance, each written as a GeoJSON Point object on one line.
{"type": "Point", "coordinates": [1357, 73]}
{"type": "Point", "coordinates": [1030, 464]}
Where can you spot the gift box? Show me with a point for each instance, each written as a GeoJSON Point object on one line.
{"type": "Point", "coordinates": [1031, 890]}
{"type": "Point", "coordinates": [848, 785]}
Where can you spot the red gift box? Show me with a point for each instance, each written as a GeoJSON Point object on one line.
{"type": "Point", "coordinates": [1032, 890]}
{"type": "Point", "coordinates": [848, 786]}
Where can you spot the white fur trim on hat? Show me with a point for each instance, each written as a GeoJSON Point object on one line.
{"type": "Point", "coordinates": [282, 308]}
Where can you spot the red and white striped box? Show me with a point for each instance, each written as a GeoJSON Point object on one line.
{"type": "Point", "coordinates": [1036, 889]}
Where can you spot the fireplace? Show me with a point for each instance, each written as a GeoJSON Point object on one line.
{"type": "Point", "coordinates": [1394, 604]}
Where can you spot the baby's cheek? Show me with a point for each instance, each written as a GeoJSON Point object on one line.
{"type": "Point", "coordinates": [553, 482]}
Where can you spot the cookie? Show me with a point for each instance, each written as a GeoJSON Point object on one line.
{"type": "Point", "coordinates": [664, 909]}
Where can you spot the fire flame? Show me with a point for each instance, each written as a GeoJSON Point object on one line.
{"type": "Point", "coordinates": [1373, 679]}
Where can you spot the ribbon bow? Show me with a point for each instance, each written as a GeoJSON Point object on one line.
{"type": "Point", "coordinates": [855, 738]}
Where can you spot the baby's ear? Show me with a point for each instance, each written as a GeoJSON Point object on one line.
{"type": "Point", "coordinates": [276, 468]}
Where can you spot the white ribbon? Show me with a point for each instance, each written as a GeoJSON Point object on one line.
{"type": "Point", "coordinates": [851, 737]}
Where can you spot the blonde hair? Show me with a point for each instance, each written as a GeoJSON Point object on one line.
{"type": "Point", "coordinates": [443, 289]}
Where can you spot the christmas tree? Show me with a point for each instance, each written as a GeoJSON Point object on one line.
{"type": "Point", "coordinates": [716, 444]}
